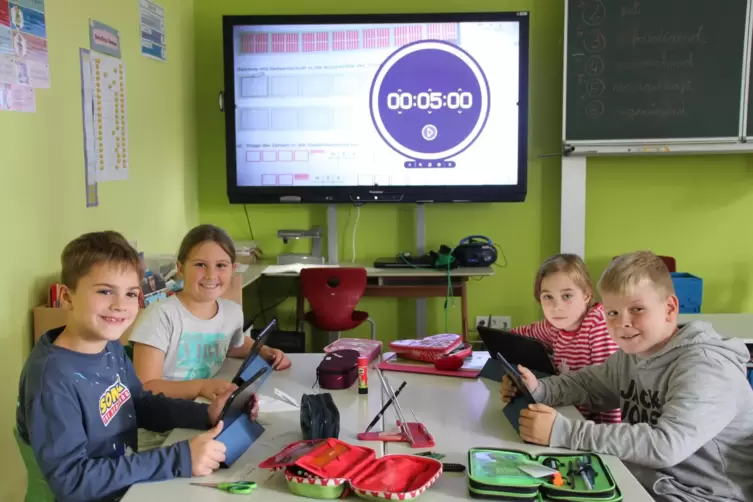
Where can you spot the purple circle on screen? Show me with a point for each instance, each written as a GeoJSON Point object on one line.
{"type": "Point", "coordinates": [429, 100]}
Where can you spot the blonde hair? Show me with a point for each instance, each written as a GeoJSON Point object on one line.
{"type": "Point", "coordinates": [631, 270]}
{"type": "Point", "coordinates": [570, 264]}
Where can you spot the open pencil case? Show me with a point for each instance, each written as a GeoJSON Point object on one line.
{"type": "Point", "coordinates": [328, 468]}
{"type": "Point", "coordinates": [503, 475]}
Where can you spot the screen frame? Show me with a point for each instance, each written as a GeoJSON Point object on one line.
{"type": "Point", "coordinates": [362, 193]}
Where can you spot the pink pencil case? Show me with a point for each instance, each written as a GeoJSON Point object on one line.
{"type": "Point", "coordinates": [366, 348]}
{"type": "Point", "coordinates": [427, 349]}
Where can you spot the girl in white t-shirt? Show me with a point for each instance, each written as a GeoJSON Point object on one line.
{"type": "Point", "coordinates": [180, 343]}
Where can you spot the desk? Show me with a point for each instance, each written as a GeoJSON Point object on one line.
{"type": "Point", "coordinates": [459, 413]}
{"type": "Point", "coordinates": [462, 414]}
{"type": "Point", "coordinates": [282, 428]}
{"type": "Point", "coordinates": [389, 282]}
{"type": "Point", "coordinates": [730, 325]}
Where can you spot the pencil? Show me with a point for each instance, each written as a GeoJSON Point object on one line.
{"type": "Point", "coordinates": [384, 408]}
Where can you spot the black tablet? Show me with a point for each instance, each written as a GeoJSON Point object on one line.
{"type": "Point", "coordinates": [518, 349]}
{"type": "Point", "coordinates": [514, 375]}
{"type": "Point", "coordinates": [237, 403]}
{"type": "Point", "coordinates": [258, 344]}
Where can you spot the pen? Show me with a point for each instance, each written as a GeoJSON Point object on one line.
{"type": "Point", "coordinates": [384, 408]}
{"type": "Point", "coordinates": [584, 475]}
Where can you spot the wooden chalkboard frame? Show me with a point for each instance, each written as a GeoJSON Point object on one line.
{"type": "Point", "coordinates": [741, 143]}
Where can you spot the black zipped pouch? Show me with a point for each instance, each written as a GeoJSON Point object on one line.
{"type": "Point", "coordinates": [320, 418]}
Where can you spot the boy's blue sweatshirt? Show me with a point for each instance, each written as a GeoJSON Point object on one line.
{"type": "Point", "coordinates": [80, 414]}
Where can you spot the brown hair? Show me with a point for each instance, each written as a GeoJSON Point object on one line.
{"type": "Point", "coordinates": [90, 249]}
{"type": "Point", "coordinates": [570, 264]}
{"type": "Point", "coordinates": [630, 270]}
{"type": "Point", "coordinates": [206, 233]}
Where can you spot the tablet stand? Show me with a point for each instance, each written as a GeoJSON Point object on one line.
{"type": "Point", "coordinates": [414, 433]}
{"type": "Point", "coordinates": [239, 435]}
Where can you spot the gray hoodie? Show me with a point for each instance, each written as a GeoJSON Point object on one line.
{"type": "Point", "coordinates": [687, 413]}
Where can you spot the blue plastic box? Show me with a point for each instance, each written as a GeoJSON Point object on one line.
{"type": "Point", "coordinates": [689, 290]}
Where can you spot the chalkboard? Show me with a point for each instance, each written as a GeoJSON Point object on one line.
{"type": "Point", "coordinates": [654, 69]}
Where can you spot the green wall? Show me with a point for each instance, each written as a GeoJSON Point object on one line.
{"type": "Point", "coordinates": [42, 162]}
{"type": "Point", "coordinates": [696, 208]}
{"type": "Point", "coordinates": [527, 232]}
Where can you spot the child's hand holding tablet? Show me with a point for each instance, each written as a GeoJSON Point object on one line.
{"type": "Point", "coordinates": [516, 381]}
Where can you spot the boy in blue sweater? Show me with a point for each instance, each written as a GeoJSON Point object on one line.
{"type": "Point", "coordinates": [80, 403]}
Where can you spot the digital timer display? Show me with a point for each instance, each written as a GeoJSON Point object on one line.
{"type": "Point", "coordinates": [429, 102]}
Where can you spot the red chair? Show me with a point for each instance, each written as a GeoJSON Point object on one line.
{"type": "Point", "coordinates": [333, 293]}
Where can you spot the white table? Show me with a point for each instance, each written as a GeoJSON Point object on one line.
{"type": "Point", "coordinates": [462, 413]}
{"type": "Point", "coordinates": [730, 325]}
{"type": "Point", "coordinates": [282, 428]}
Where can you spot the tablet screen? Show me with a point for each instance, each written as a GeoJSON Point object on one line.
{"type": "Point", "coordinates": [237, 403]}
{"type": "Point", "coordinates": [514, 375]}
{"type": "Point", "coordinates": [258, 344]}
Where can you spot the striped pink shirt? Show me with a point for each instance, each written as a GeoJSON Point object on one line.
{"type": "Point", "coordinates": [591, 344]}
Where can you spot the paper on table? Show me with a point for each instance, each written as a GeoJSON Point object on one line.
{"type": "Point", "coordinates": [476, 361]}
{"type": "Point", "coordinates": [293, 268]}
{"type": "Point", "coordinates": [269, 404]}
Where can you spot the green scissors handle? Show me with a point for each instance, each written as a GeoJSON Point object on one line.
{"type": "Point", "coordinates": [235, 488]}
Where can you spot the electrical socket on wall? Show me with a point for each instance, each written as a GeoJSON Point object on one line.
{"type": "Point", "coordinates": [483, 320]}
{"type": "Point", "coordinates": [500, 322]}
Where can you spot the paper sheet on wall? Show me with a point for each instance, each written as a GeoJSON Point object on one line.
{"type": "Point", "coordinates": [110, 123]}
{"type": "Point", "coordinates": [153, 42]}
{"type": "Point", "coordinates": [90, 147]}
{"type": "Point", "coordinates": [23, 43]}
{"type": "Point", "coordinates": [17, 98]}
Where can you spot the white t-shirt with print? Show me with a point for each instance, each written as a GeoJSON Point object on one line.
{"type": "Point", "coordinates": [194, 348]}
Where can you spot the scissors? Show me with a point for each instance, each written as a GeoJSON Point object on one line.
{"type": "Point", "coordinates": [235, 488]}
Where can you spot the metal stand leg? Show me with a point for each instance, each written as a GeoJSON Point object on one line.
{"type": "Point", "coordinates": [373, 327]}
{"type": "Point", "coordinates": [332, 234]}
{"type": "Point", "coordinates": [420, 249]}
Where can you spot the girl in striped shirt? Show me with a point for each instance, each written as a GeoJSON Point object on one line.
{"type": "Point", "coordinates": [574, 327]}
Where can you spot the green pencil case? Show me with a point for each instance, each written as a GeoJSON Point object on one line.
{"type": "Point", "coordinates": [497, 474]}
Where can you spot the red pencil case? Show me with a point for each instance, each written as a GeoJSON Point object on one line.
{"type": "Point", "coordinates": [427, 349]}
{"type": "Point", "coordinates": [325, 469]}
{"type": "Point", "coordinates": [366, 348]}
{"type": "Point", "coordinates": [338, 370]}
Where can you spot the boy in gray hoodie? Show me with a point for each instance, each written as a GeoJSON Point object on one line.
{"type": "Point", "coordinates": [687, 407]}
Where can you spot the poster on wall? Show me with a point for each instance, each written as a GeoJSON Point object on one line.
{"type": "Point", "coordinates": [104, 39]}
{"type": "Point", "coordinates": [110, 122]}
{"type": "Point", "coordinates": [24, 39]}
{"type": "Point", "coordinates": [90, 149]}
{"type": "Point", "coordinates": [17, 98]}
{"type": "Point", "coordinates": [153, 43]}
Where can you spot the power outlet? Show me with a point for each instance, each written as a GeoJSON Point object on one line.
{"type": "Point", "coordinates": [500, 322]}
{"type": "Point", "coordinates": [483, 320]}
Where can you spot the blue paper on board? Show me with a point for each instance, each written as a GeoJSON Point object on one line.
{"type": "Point", "coordinates": [27, 20]}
